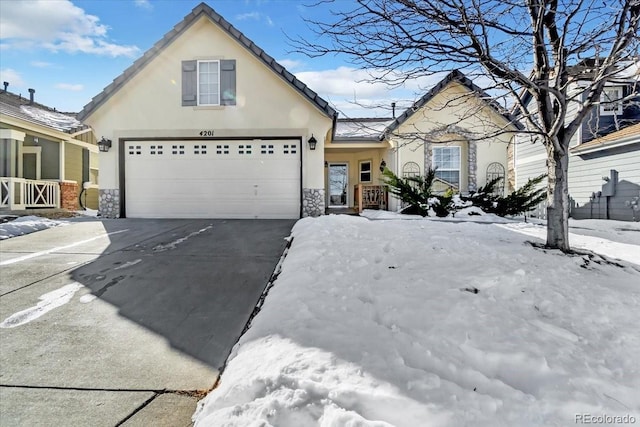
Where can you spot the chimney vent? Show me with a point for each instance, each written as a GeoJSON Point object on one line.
{"type": "Point", "coordinates": [393, 109]}
{"type": "Point", "coordinates": [31, 92]}
{"type": "Point", "coordinates": [6, 85]}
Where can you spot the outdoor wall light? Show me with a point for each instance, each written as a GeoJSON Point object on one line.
{"type": "Point", "coordinates": [312, 143]}
{"type": "Point", "coordinates": [383, 165]}
{"type": "Point", "coordinates": [104, 145]}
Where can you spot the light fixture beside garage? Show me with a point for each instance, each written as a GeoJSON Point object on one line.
{"type": "Point", "coordinates": [104, 144]}
{"type": "Point", "coordinates": [383, 165]}
{"type": "Point", "coordinates": [312, 143]}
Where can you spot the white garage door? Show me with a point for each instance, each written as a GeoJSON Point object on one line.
{"type": "Point", "coordinates": [212, 179]}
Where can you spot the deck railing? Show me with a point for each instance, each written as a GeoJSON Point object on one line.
{"type": "Point", "coordinates": [21, 193]}
{"type": "Point", "coordinates": [371, 197]}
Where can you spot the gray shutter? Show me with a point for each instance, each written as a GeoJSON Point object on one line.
{"type": "Point", "coordinates": [189, 83]}
{"type": "Point", "coordinates": [228, 82]}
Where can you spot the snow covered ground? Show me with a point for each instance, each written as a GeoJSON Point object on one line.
{"type": "Point", "coordinates": [391, 322]}
{"type": "Point", "coordinates": [27, 224]}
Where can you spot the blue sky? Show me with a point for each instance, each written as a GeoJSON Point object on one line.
{"type": "Point", "coordinates": [68, 51]}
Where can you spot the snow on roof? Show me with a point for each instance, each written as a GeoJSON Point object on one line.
{"type": "Point", "coordinates": [14, 105]}
{"type": "Point", "coordinates": [361, 128]}
{"type": "Point", "coordinates": [59, 121]}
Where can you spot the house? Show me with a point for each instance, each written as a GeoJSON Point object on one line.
{"type": "Point", "coordinates": [455, 127]}
{"type": "Point", "coordinates": [604, 154]}
{"type": "Point", "coordinates": [48, 159]}
{"type": "Point", "coordinates": [206, 124]}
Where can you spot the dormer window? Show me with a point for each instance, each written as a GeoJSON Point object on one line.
{"type": "Point", "coordinates": [611, 101]}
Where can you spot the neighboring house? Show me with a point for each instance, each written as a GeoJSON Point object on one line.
{"type": "Point", "coordinates": [47, 157]}
{"type": "Point", "coordinates": [206, 124]}
{"type": "Point", "coordinates": [604, 155]}
{"type": "Point", "coordinates": [454, 127]}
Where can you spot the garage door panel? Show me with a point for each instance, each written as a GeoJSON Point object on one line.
{"type": "Point", "coordinates": [223, 179]}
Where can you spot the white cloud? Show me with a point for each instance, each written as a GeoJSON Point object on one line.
{"type": "Point", "coordinates": [12, 76]}
{"type": "Point", "coordinates": [70, 87]}
{"type": "Point", "coordinates": [365, 93]}
{"type": "Point", "coordinates": [57, 26]}
{"type": "Point", "coordinates": [291, 64]}
{"type": "Point", "coordinates": [255, 16]}
{"type": "Point", "coordinates": [251, 15]}
{"type": "Point", "coordinates": [41, 64]}
{"type": "Point", "coordinates": [143, 4]}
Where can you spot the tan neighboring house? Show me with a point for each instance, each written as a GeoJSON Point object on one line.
{"type": "Point", "coordinates": [47, 157]}
{"type": "Point", "coordinates": [206, 124]}
{"type": "Point", "coordinates": [455, 127]}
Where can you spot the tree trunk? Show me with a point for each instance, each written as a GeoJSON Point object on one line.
{"type": "Point", "coordinates": [557, 200]}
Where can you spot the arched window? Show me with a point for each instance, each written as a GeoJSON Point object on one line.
{"type": "Point", "coordinates": [410, 169]}
{"type": "Point", "coordinates": [496, 170]}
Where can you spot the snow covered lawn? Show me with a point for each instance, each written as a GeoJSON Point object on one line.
{"type": "Point", "coordinates": [27, 224]}
{"type": "Point", "coordinates": [433, 323]}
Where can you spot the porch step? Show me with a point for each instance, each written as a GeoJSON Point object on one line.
{"type": "Point", "coordinates": [341, 211]}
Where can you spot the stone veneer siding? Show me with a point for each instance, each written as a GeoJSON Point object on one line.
{"type": "Point", "coordinates": [427, 157]}
{"type": "Point", "coordinates": [312, 202]}
{"type": "Point", "coordinates": [109, 203]}
{"type": "Point", "coordinates": [69, 195]}
{"type": "Point", "coordinates": [472, 163]}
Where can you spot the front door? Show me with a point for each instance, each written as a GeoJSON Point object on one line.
{"type": "Point", "coordinates": [338, 184]}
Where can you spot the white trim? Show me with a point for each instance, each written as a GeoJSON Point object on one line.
{"type": "Point", "coordinates": [38, 152]}
{"type": "Point", "coordinates": [61, 151]}
{"type": "Point", "coordinates": [198, 103]}
{"type": "Point", "coordinates": [12, 134]}
{"type": "Point", "coordinates": [360, 171]}
{"type": "Point", "coordinates": [617, 103]}
{"type": "Point", "coordinates": [346, 164]}
{"type": "Point", "coordinates": [459, 169]}
{"type": "Point", "coordinates": [606, 145]}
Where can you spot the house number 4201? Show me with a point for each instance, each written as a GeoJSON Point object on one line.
{"type": "Point", "coordinates": [206, 133]}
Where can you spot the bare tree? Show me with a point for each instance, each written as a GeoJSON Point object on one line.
{"type": "Point", "coordinates": [529, 48]}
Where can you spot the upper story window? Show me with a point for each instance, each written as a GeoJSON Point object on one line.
{"type": "Point", "coordinates": [208, 82]}
{"type": "Point", "coordinates": [447, 162]}
{"type": "Point", "coordinates": [611, 101]}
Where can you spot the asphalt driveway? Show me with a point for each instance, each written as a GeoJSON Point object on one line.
{"type": "Point", "coordinates": [126, 322]}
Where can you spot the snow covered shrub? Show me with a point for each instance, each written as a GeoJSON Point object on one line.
{"type": "Point", "coordinates": [522, 200]}
{"type": "Point", "coordinates": [418, 194]}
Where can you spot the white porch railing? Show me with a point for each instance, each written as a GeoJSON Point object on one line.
{"type": "Point", "coordinates": [20, 193]}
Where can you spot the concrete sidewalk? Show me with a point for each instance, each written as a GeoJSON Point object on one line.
{"type": "Point", "coordinates": [136, 317]}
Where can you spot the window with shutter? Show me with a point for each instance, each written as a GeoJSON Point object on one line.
{"type": "Point", "coordinates": [209, 82]}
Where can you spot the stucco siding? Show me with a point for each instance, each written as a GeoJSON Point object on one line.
{"type": "Point", "coordinates": [353, 159]}
{"type": "Point", "coordinates": [149, 104]}
{"type": "Point", "coordinates": [455, 117]}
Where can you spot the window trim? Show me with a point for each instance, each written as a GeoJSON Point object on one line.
{"type": "Point", "coordinates": [198, 95]}
{"type": "Point", "coordinates": [458, 169]}
{"type": "Point", "coordinates": [360, 171]}
{"type": "Point", "coordinates": [617, 104]}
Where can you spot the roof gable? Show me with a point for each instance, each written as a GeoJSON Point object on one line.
{"type": "Point", "coordinates": [204, 10]}
{"type": "Point", "coordinates": [453, 76]}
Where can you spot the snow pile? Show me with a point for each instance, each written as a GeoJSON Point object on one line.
{"type": "Point", "coordinates": [408, 323]}
{"type": "Point", "coordinates": [27, 224]}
